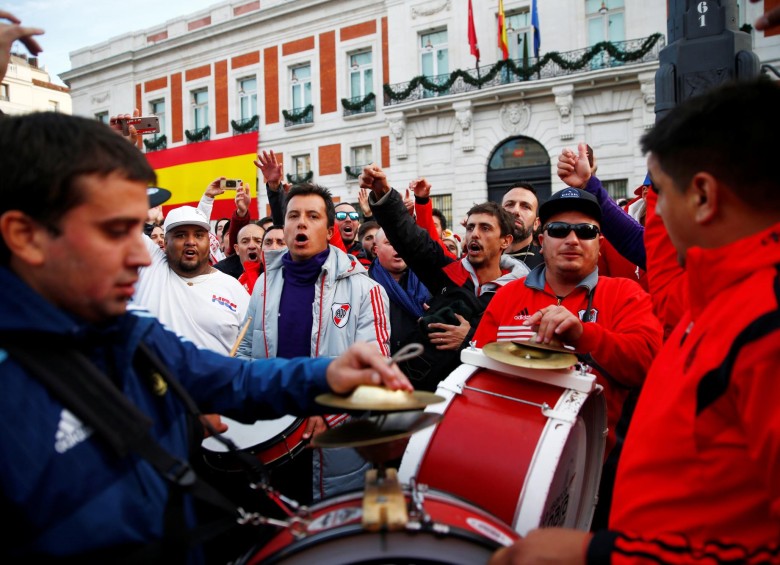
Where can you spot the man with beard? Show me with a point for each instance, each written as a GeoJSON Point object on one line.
{"type": "Point", "coordinates": [521, 201]}
{"type": "Point", "coordinates": [473, 279]}
{"type": "Point", "coordinates": [348, 224]}
{"type": "Point", "coordinates": [184, 291]}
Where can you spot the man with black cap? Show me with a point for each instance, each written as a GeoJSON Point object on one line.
{"type": "Point", "coordinates": [608, 319]}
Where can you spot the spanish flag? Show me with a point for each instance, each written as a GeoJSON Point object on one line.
{"type": "Point", "coordinates": [503, 42]}
{"type": "Point", "coordinates": [186, 171]}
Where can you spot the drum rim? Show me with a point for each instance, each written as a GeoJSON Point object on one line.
{"type": "Point", "coordinates": [298, 546]}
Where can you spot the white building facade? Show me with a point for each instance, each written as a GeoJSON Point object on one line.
{"type": "Point", "coordinates": [27, 88]}
{"type": "Point", "coordinates": [303, 74]}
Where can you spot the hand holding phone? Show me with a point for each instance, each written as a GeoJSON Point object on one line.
{"type": "Point", "coordinates": [142, 124]}
{"type": "Point", "coordinates": [229, 184]}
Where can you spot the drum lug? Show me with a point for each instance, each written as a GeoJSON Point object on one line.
{"type": "Point", "coordinates": [553, 414]}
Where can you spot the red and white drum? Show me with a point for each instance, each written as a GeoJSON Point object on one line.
{"type": "Point", "coordinates": [456, 532]}
{"type": "Point", "coordinates": [524, 444]}
{"type": "Point", "coordinates": [273, 442]}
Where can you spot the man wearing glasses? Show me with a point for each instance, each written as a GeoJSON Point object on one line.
{"type": "Point", "coordinates": [564, 299]}
{"type": "Point", "coordinates": [348, 224]}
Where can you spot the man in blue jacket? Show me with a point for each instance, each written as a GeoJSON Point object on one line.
{"type": "Point", "coordinates": [72, 207]}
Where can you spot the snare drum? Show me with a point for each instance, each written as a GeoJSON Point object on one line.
{"type": "Point", "coordinates": [273, 442]}
{"type": "Point", "coordinates": [524, 444]}
{"type": "Point", "coordinates": [457, 533]}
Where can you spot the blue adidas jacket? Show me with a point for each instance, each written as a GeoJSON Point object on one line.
{"type": "Point", "coordinates": [62, 491]}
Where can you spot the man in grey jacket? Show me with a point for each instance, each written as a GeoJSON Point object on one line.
{"type": "Point", "coordinates": [314, 300]}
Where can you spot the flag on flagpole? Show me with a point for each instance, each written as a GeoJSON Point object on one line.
{"type": "Point", "coordinates": [503, 42]}
{"type": "Point", "coordinates": [473, 34]}
{"type": "Point", "coordinates": [187, 170]}
{"type": "Point", "coordinates": [535, 25]}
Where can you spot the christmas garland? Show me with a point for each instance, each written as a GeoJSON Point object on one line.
{"type": "Point", "coordinates": [202, 134]}
{"type": "Point", "coordinates": [160, 143]}
{"type": "Point", "coordinates": [298, 179]}
{"type": "Point", "coordinates": [249, 125]}
{"type": "Point", "coordinates": [355, 106]}
{"type": "Point", "coordinates": [526, 72]}
{"type": "Point", "coordinates": [297, 116]}
{"type": "Point", "coordinates": [351, 174]}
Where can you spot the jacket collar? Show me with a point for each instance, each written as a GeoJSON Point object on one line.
{"type": "Point", "coordinates": [537, 279]}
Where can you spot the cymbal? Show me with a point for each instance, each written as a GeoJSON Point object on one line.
{"type": "Point", "coordinates": [377, 439]}
{"type": "Point", "coordinates": [416, 400]}
{"type": "Point", "coordinates": [521, 354]}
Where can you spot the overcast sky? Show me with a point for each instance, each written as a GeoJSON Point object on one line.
{"type": "Point", "coordinates": [73, 24]}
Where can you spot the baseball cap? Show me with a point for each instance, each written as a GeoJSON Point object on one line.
{"type": "Point", "coordinates": [186, 216]}
{"type": "Point", "coordinates": [157, 195]}
{"type": "Point", "coordinates": [570, 199]}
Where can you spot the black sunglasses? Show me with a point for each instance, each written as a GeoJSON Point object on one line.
{"type": "Point", "coordinates": [559, 230]}
{"type": "Point", "coordinates": [340, 216]}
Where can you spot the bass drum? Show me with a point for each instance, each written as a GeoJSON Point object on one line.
{"type": "Point", "coordinates": [273, 442]}
{"type": "Point", "coordinates": [525, 450]}
{"type": "Point", "coordinates": [457, 533]}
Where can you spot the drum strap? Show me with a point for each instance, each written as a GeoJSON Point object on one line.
{"type": "Point", "coordinates": [76, 382]}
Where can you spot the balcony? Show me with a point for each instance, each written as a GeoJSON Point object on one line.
{"type": "Point", "coordinates": [300, 178]}
{"type": "Point", "coordinates": [156, 143]}
{"type": "Point", "coordinates": [359, 105]}
{"type": "Point", "coordinates": [198, 134]}
{"type": "Point", "coordinates": [245, 125]}
{"type": "Point", "coordinates": [603, 55]}
{"type": "Point", "coordinates": [298, 116]}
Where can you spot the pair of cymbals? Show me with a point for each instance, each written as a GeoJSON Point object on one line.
{"type": "Point", "coordinates": [530, 354]}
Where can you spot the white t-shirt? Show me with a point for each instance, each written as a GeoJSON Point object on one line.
{"type": "Point", "coordinates": [207, 309]}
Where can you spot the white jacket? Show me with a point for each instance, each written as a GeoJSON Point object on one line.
{"type": "Point", "coordinates": [348, 307]}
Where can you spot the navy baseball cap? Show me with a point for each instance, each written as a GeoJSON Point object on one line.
{"type": "Point", "coordinates": [157, 195]}
{"type": "Point", "coordinates": [570, 199]}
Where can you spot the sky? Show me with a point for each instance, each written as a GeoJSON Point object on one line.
{"type": "Point", "coordinates": [73, 24]}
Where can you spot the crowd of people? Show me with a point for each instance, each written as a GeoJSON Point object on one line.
{"type": "Point", "coordinates": [127, 335]}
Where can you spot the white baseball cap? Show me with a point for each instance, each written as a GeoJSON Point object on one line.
{"type": "Point", "coordinates": [186, 216]}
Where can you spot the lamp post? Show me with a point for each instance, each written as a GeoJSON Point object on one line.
{"type": "Point", "coordinates": [705, 50]}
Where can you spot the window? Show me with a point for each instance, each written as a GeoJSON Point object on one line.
{"type": "Point", "coordinates": [301, 169]}
{"type": "Point", "coordinates": [247, 98]}
{"type": "Point", "coordinates": [519, 152]}
{"type": "Point", "coordinates": [617, 189]}
{"type": "Point", "coordinates": [433, 53]}
{"type": "Point", "coordinates": [361, 156]}
{"type": "Point", "coordinates": [300, 87]}
{"type": "Point", "coordinates": [519, 34]}
{"type": "Point", "coordinates": [54, 106]}
{"type": "Point", "coordinates": [443, 202]}
{"type": "Point", "coordinates": [102, 117]}
{"type": "Point", "coordinates": [4, 93]}
{"type": "Point", "coordinates": [605, 20]}
{"type": "Point", "coordinates": [157, 108]}
{"type": "Point", "coordinates": [200, 109]}
{"type": "Point", "coordinates": [361, 75]}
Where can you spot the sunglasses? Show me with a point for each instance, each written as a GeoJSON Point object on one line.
{"type": "Point", "coordinates": [559, 230]}
{"type": "Point", "coordinates": [341, 216]}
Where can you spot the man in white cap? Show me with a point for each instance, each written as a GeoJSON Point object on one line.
{"type": "Point", "coordinates": [185, 292]}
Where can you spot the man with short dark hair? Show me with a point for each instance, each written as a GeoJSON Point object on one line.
{"type": "Point", "coordinates": [480, 273]}
{"type": "Point", "coordinates": [314, 300]}
{"type": "Point", "coordinates": [697, 480]}
{"type": "Point", "coordinates": [521, 201]}
{"type": "Point", "coordinates": [71, 245]}
{"type": "Point", "coordinates": [366, 237]}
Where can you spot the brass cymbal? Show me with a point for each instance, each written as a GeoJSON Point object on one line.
{"type": "Point", "coordinates": [416, 400]}
{"type": "Point", "coordinates": [521, 354]}
{"type": "Point", "coordinates": [377, 439]}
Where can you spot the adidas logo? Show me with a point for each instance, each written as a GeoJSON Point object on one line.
{"type": "Point", "coordinates": [70, 432]}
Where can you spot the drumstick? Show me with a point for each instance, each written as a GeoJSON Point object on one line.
{"type": "Point", "coordinates": [241, 335]}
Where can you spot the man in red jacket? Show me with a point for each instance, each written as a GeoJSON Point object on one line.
{"type": "Point", "coordinates": [697, 481]}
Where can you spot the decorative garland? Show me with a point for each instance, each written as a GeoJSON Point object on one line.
{"type": "Point", "coordinates": [200, 136]}
{"type": "Point", "coordinates": [246, 126]}
{"type": "Point", "coordinates": [297, 116]}
{"type": "Point", "coordinates": [156, 144]}
{"type": "Point", "coordinates": [526, 72]}
{"type": "Point", "coordinates": [355, 106]}
{"type": "Point", "coordinates": [298, 179]}
{"type": "Point", "coordinates": [351, 174]}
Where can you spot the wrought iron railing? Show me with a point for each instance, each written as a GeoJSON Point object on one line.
{"type": "Point", "coordinates": [359, 105]}
{"type": "Point", "coordinates": [601, 56]}
{"type": "Point", "coordinates": [298, 116]}
{"type": "Point", "coordinates": [245, 125]}
{"type": "Point", "coordinates": [198, 134]}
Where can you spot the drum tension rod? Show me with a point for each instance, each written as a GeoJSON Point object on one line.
{"type": "Point", "coordinates": [543, 406]}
